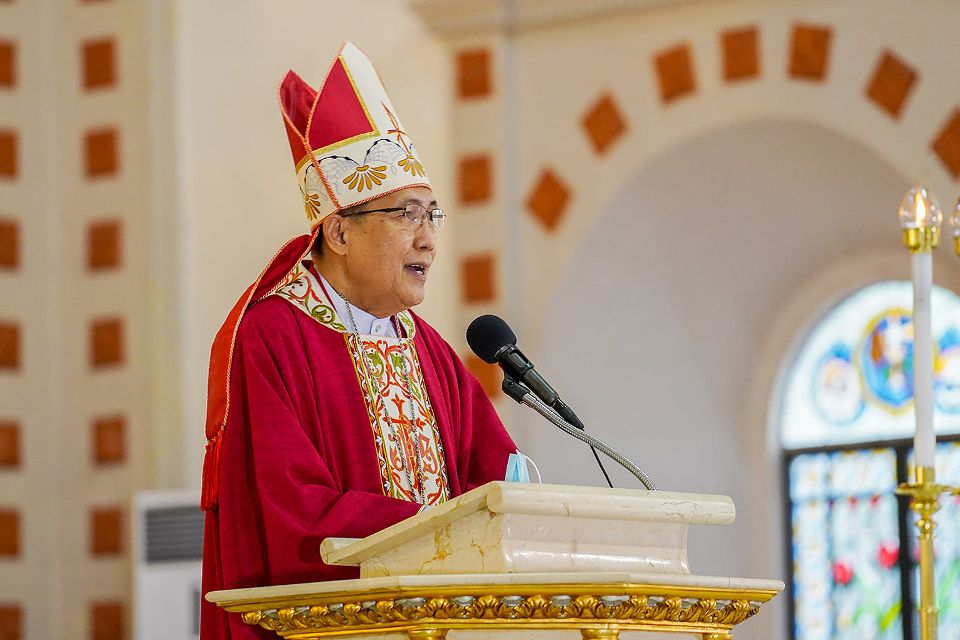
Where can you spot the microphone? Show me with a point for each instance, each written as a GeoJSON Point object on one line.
{"type": "Point", "coordinates": [494, 342]}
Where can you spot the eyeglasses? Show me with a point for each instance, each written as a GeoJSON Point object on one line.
{"type": "Point", "coordinates": [414, 212]}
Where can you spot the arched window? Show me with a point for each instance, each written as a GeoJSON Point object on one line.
{"type": "Point", "coordinates": [846, 424]}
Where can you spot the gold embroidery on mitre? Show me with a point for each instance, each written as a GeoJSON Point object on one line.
{"type": "Point", "coordinates": [311, 203]}
{"type": "Point", "coordinates": [409, 163]}
{"type": "Point", "coordinates": [366, 176]}
{"type": "Point", "coordinates": [412, 165]}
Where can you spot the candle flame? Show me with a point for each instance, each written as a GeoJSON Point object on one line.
{"type": "Point", "coordinates": [919, 208]}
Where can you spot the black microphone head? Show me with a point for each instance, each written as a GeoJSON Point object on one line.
{"type": "Point", "coordinates": [487, 335]}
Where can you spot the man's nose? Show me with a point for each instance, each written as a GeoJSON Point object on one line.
{"type": "Point", "coordinates": [426, 237]}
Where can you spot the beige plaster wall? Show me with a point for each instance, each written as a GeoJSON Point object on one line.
{"type": "Point", "coordinates": [56, 392]}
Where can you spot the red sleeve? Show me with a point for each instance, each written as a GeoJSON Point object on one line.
{"type": "Point", "coordinates": [275, 469]}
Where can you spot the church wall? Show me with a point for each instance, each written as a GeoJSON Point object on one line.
{"type": "Point", "coordinates": [74, 376]}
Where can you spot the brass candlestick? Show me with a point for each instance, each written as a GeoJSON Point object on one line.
{"type": "Point", "coordinates": [924, 495]}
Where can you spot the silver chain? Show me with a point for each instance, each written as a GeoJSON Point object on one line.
{"type": "Point", "coordinates": [414, 431]}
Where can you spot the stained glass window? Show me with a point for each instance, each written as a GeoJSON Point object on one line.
{"type": "Point", "coordinates": [852, 381]}
{"type": "Point", "coordinates": [846, 543]}
{"type": "Point", "coordinates": [846, 422]}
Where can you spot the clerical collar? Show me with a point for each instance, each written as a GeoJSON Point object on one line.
{"type": "Point", "coordinates": [367, 323]}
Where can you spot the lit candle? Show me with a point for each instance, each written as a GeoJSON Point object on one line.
{"type": "Point", "coordinates": [955, 227]}
{"type": "Point", "coordinates": [920, 218]}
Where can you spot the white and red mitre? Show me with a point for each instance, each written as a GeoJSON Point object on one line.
{"type": "Point", "coordinates": [348, 143]}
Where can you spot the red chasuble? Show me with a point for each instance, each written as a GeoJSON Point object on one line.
{"type": "Point", "coordinates": [298, 458]}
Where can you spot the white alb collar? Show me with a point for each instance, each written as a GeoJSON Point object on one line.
{"type": "Point", "coordinates": [367, 323]}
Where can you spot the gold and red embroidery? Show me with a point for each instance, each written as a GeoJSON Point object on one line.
{"type": "Point", "coordinates": [386, 395]}
{"type": "Point", "coordinates": [301, 289]}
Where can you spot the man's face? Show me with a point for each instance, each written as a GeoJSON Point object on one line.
{"type": "Point", "coordinates": [388, 257]}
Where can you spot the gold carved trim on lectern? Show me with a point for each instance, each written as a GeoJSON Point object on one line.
{"type": "Point", "coordinates": [674, 613]}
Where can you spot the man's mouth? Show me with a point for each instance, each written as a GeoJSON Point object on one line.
{"type": "Point", "coordinates": [418, 269]}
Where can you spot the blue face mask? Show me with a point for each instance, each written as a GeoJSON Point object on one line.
{"type": "Point", "coordinates": [517, 468]}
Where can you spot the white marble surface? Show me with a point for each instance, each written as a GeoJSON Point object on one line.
{"type": "Point", "coordinates": [527, 528]}
{"type": "Point", "coordinates": [400, 584]}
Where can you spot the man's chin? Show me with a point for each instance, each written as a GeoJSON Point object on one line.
{"type": "Point", "coordinates": [413, 298]}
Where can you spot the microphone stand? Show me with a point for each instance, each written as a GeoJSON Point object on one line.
{"type": "Point", "coordinates": [524, 396]}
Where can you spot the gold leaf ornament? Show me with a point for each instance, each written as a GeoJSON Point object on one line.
{"type": "Point", "coordinates": [366, 177]}
{"type": "Point", "coordinates": [412, 166]}
{"type": "Point", "coordinates": [621, 609]}
{"type": "Point", "coordinates": [311, 204]}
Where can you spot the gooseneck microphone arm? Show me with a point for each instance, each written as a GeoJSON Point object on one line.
{"type": "Point", "coordinates": [524, 396]}
{"type": "Point", "coordinates": [493, 341]}
{"type": "Point", "coordinates": [521, 371]}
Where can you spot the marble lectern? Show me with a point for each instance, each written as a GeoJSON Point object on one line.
{"type": "Point", "coordinates": [522, 561]}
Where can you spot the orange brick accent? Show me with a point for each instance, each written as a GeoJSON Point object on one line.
{"type": "Point", "coordinates": [9, 533]}
{"type": "Point", "coordinates": [106, 342]}
{"type": "Point", "coordinates": [8, 69]}
{"type": "Point", "coordinates": [9, 346]}
{"type": "Point", "coordinates": [101, 153]}
{"type": "Point", "coordinates": [109, 440]}
{"type": "Point", "coordinates": [106, 531]}
{"type": "Point", "coordinates": [473, 73]}
{"type": "Point", "coordinates": [489, 375]}
{"type": "Point", "coordinates": [741, 54]}
{"type": "Point", "coordinates": [11, 622]}
{"type": "Point", "coordinates": [478, 274]}
{"type": "Point", "coordinates": [98, 64]}
{"type": "Point", "coordinates": [891, 83]}
{"type": "Point", "coordinates": [548, 200]}
{"type": "Point", "coordinates": [103, 244]}
{"type": "Point", "coordinates": [9, 246]}
{"type": "Point", "coordinates": [475, 177]}
{"type": "Point", "coordinates": [8, 154]}
{"type": "Point", "coordinates": [108, 621]}
{"type": "Point", "coordinates": [675, 72]}
{"type": "Point", "coordinates": [810, 51]}
{"type": "Point", "coordinates": [947, 145]}
{"type": "Point", "coordinates": [603, 123]}
{"type": "Point", "coordinates": [9, 447]}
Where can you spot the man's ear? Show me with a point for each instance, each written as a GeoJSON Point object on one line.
{"type": "Point", "coordinates": [334, 234]}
